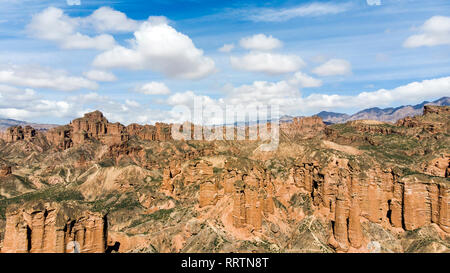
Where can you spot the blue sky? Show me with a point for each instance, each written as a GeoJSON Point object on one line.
{"type": "Point", "coordinates": [137, 60]}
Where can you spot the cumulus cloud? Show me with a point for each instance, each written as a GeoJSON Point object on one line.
{"type": "Point", "coordinates": [159, 47]}
{"type": "Point", "coordinates": [333, 67]}
{"type": "Point", "coordinates": [40, 77]}
{"type": "Point", "coordinates": [266, 62]}
{"type": "Point", "coordinates": [26, 103]}
{"type": "Point", "coordinates": [29, 105]}
{"type": "Point", "coordinates": [100, 76]}
{"type": "Point", "coordinates": [305, 80]}
{"type": "Point", "coordinates": [410, 93]}
{"type": "Point", "coordinates": [435, 31]}
{"type": "Point", "coordinates": [53, 25]}
{"type": "Point", "coordinates": [23, 104]}
{"type": "Point", "coordinates": [306, 10]}
{"type": "Point", "coordinates": [153, 88]}
{"type": "Point", "coordinates": [287, 95]}
{"type": "Point", "coordinates": [373, 2]}
{"type": "Point", "coordinates": [260, 42]}
{"type": "Point", "coordinates": [107, 19]}
{"type": "Point", "coordinates": [226, 48]}
{"type": "Point", "coordinates": [73, 2]}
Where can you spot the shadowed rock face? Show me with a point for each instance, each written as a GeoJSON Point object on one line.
{"type": "Point", "coordinates": [336, 188]}
{"type": "Point", "coordinates": [5, 170]}
{"type": "Point", "coordinates": [53, 228]}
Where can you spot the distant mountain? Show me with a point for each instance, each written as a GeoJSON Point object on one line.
{"type": "Point", "coordinates": [332, 117]}
{"type": "Point", "coordinates": [6, 123]}
{"type": "Point", "coordinates": [390, 114]}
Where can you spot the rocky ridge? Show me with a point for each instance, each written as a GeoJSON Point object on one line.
{"type": "Point", "coordinates": [334, 188]}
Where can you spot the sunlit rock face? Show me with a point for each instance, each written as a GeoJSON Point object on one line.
{"type": "Point", "coordinates": [326, 188]}
{"type": "Point", "coordinates": [53, 228]}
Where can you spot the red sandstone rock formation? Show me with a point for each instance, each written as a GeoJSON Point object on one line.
{"type": "Point", "coordinates": [17, 133]}
{"type": "Point", "coordinates": [438, 167]}
{"type": "Point", "coordinates": [207, 194]}
{"type": "Point", "coordinates": [380, 197]}
{"type": "Point", "coordinates": [94, 126]}
{"type": "Point", "coordinates": [372, 127]}
{"type": "Point", "coordinates": [159, 132]}
{"type": "Point", "coordinates": [53, 228]}
{"type": "Point", "coordinates": [252, 197]}
{"type": "Point", "coordinates": [427, 123]}
{"type": "Point", "coordinates": [303, 126]}
{"type": "Point", "coordinates": [5, 170]}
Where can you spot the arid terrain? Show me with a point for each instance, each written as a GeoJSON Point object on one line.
{"type": "Point", "coordinates": [359, 186]}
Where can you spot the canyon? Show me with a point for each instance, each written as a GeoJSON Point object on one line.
{"type": "Point", "coordinates": [97, 186]}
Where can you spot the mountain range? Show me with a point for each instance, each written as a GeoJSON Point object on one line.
{"type": "Point", "coordinates": [390, 114]}
{"type": "Point", "coordinates": [6, 123]}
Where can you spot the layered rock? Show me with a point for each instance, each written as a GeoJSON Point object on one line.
{"type": "Point", "coordinates": [380, 197]}
{"type": "Point", "coordinates": [207, 194]}
{"type": "Point", "coordinates": [18, 133]}
{"type": "Point", "coordinates": [424, 203]}
{"type": "Point", "coordinates": [53, 228]}
{"type": "Point", "coordinates": [159, 132]}
{"type": "Point", "coordinates": [93, 126]}
{"type": "Point", "coordinates": [435, 119]}
{"type": "Point", "coordinates": [439, 166]}
{"type": "Point", "coordinates": [373, 127]}
{"type": "Point", "coordinates": [252, 197]}
{"type": "Point", "coordinates": [303, 127]}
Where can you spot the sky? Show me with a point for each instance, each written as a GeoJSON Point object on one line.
{"type": "Point", "coordinates": [143, 61]}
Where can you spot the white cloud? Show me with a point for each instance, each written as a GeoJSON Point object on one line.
{"type": "Point", "coordinates": [304, 80]}
{"type": "Point", "coordinates": [333, 67]}
{"type": "Point", "coordinates": [100, 76]}
{"type": "Point", "coordinates": [260, 42]}
{"type": "Point", "coordinates": [266, 62]}
{"type": "Point", "coordinates": [411, 93]}
{"type": "Point", "coordinates": [108, 19]}
{"type": "Point", "coordinates": [374, 2]}
{"type": "Point", "coordinates": [132, 103]}
{"type": "Point", "coordinates": [23, 104]}
{"type": "Point", "coordinates": [159, 47]}
{"type": "Point", "coordinates": [40, 77]}
{"type": "Point", "coordinates": [187, 98]}
{"type": "Point", "coordinates": [286, 94]}
{"type": "Point", "coordinates": [435, 31]}
{"type": "Point", "coordinates": [53, 25]}
{"type": "Point", "coordinates": [153, 88]}
{"type": "Point", "coordinates": [279, 15]}
{"type": "Point", "coordinates": [73, 2]}
{"type": "Point", "coordinates": [226, 48]}
{"type": "Point", "coordinates": [27, 104]}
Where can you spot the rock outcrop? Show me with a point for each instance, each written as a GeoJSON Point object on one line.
{"type": "Point", "coordinates": [346, 196]}
{"type": "Point", "coordinates": [5, 170]}
{"type": "Point", "coordinates": [17, 133]}
{"type": "Point", "coordinates": [303, 127]}
{"type": "Point", "coordinates": [373, 127]}
{"type": "Point", "coordinates": [93, 126]}
{"type": "Point", "coordinates": [159, 132]}
{"type": "Point", "coordinates": [435, 119]}
{"type": "Point", "coordinates": [439, 166]}
{"type": "Point", "coordinates": [53, 228]}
